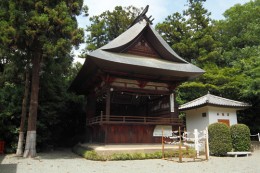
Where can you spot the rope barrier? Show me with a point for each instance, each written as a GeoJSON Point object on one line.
{"type": "Point", "coordinates": [200, 138]}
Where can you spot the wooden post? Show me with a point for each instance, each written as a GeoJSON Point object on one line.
{"type": "Point", "coordinates": [206, 144]}
{"type": "Point", "coordinates": [162, 145]}
{"type": "Point", "coordinates": [184, 135]}
{"type": "Point", "coordinates": [196, 141]}
{"type": "Point", "coordinates": [108, 104]}
{"type": "Point", "coordinates": [105, 126]}
{"type": "Point", "coordinates": [180, 151]}
{"type": "Point", "coordinates": [107, 113]}
{"type": "Point", "coordinates": [91, 106]}
{"type": "Point", "coordinates": [206, 149]}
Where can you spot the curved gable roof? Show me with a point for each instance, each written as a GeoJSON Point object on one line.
{"type": "Point", "coordinates": [130, 36]}
{"type": "Point", "coordinates": [168, 67]}
{"type": "Point", "coordinates": [125, 39]}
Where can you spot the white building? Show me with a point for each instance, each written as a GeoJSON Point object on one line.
{"type": "Point", "coordinates": [209, 109]}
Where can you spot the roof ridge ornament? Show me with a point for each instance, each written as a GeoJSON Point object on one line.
{"type": "Point", "coordinates": [143, 16]}
{"type": "Point", "coordinates": [207, 97]}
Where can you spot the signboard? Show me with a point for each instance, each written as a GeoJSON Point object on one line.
{"type": "Point", "coordinates": [158, 105]}
{"type": "Point", "coordinates": [172, 102]}
{"type": "Point", "coordinates": [167, 130]}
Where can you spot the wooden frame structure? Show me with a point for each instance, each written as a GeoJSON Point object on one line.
{"type": "Point", "coordinates": [130, 83]}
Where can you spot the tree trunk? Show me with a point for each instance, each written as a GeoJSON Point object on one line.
{"type": "Point", "coordinates": [19, 151]}
{"type": "Point", "coordinates": [30, 147]}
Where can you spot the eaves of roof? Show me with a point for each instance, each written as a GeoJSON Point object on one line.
{"type": "Point", "coordinates": [144, 65]}
{"type": "Point", "coordinates": [212, 100]}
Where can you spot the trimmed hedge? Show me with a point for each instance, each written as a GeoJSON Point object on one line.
{"type": "Point", "coordinates": [240, 135]}
{"type": "Point", "coordinates": [219, 139]}
{"type": "Point", "coordinates": [89, 154]}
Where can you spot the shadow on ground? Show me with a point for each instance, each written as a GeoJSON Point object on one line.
{"type": "Point", "coordinates": [61, 153]}
{"type": "Point", "coordinates": [7, 168]}
{"type": "Point", "coordinates": [1, 158]}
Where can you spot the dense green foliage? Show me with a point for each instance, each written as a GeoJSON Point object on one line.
{"type": "Point", "coordinates": [191, 34]}
{"type": "Point", "coordinates": [61, 117]}
{"type": "Point", "coordinates": [228, 50]}
{"type": "Point", "coordinates": [10, 109]}
{"type": "Point", "coordinates": [219, 139]}
{"type": "Point", "coordinates": [240, 135]}
{"type": "Point", "coordinates": [241, 53]}
{"type": "Point", "coordinates": [40, 34]}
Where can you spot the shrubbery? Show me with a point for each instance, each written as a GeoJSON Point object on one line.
{"type": "Point", "coordinates": [219, 139]}
{"type": "Point", "coordinates": [240, 135]}
{"type": "Point", "coordinates": [90, 154]}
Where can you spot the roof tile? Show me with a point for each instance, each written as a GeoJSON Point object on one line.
{"type": "Point", "coordinates": [213, 100]}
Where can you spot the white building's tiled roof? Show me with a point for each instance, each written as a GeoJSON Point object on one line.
{"type": "Point", "coordinates": [210, 99]}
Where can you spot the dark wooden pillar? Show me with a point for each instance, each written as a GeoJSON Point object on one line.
{"type": "Point", "coordinates": [91, 105]}
{"type": "Point", "coordinates": [90, 113]}
{"type": "Point", "coordinates": [108, 104]}
{"type": "Point", "coordinates": [108, 100]}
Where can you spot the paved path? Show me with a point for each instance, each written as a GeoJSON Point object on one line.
{"type": "Point", "coordinates": [64, 161]}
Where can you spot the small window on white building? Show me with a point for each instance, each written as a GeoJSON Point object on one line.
{"type": "Point", "coordinates": [204, 114]}
{"type": "Point", "coordinates": [227, 114]}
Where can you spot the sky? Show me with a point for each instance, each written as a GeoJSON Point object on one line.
{"type": "Point", "coordinates": [158, 9]}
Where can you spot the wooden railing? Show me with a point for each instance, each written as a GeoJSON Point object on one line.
{"type": "Point", "coordinates": [134, 120]}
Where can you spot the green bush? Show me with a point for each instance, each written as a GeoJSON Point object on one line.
{"type": "Point", "coordinates": [240, 135]}
{"type": "Point", "coordinates": [89, 154]}
{"type": "Point", "coordinates": [219, 139]}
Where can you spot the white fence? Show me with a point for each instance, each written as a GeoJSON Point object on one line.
{"type": "Point", "coordinates": [199, 142]}
{"type": "Point", "coordinates": [258, 135]}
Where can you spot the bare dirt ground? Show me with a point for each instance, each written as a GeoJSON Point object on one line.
{"type": "Point", "coordinates": [64, 161]}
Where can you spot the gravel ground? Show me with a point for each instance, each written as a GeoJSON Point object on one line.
{"type": "Point", "coordinates": [64, 161]}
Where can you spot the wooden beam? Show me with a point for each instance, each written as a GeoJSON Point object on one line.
{"type": "Point", "coordinates": [144, 77]}
{"type": "Point", "coordinates": [142, 84]}
{"type": "Point", "coordinates": [140, 90]}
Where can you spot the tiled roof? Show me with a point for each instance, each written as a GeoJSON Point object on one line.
{"type": "Point", "coordinates": [156, 66]}
{"type": "Point", "coordinates": [123, 41]}
{"type": "Point", "coordinates": [210, 99]}
{"type": "Point", "coordinates": [113, 57]}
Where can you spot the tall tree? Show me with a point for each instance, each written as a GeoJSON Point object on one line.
{"type": "Point", "coordinates": [19, 150]}
{"type": "Point", "coordinates": [191, 34]}
{"type": "Point", "coordinates": [240, 33]}
{"type": "Point", "coordinates": [108, 25]}
{"type": "Point", "coordinates": [175, 31]}
{"type": "Point", "coordinates": [43, 29]}
{"type": "Point", "coordinates": [228, 50]}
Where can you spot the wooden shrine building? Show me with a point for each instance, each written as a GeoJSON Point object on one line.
{"type": "Point", "coordinates": [130, 83]}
